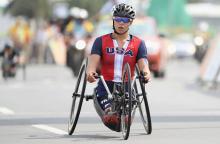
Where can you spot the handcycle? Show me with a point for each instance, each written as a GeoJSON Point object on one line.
{"type": "Point", "coordinates": [126, 99]}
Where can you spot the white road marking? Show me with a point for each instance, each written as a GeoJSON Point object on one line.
{"type": "Point", "coordinates": [6, 111]}
{"type": "Point", "coordinates": [50, 129]}
{"type": "Point", "coordinates": [187, 113]}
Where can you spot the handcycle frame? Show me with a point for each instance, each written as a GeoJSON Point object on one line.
{"type": "Point", "coordinates": [130, 98]}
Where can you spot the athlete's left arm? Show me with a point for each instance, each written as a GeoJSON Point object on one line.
{"type": "Point", "coordinates": [144, 67]}
{"type": "Point", "coordinates": [142, 61]}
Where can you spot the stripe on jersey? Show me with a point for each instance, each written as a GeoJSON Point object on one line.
{"type": "Point", "coordinates": [119, 58]}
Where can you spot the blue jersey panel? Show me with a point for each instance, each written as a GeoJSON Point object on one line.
{"type": "Point", "coordinates": [142, 51]}
{"type": "Point", "coordinates": [97, 46]}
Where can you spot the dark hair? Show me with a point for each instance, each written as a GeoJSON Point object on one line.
{"type": "Point", "coordinates": [7, 46]}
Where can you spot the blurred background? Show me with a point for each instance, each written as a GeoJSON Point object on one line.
{"type": "Point", "coordinates": [61, 32]}
{"type": "Point", "coordinates": [42, 46]}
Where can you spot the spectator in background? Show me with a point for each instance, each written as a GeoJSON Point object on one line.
{"type": "Point", "coordinates": [21, 35]}
{"type": "Point", "coordinates": [10, 60]}
{"type": "Point", "coordinates": [78, 23]}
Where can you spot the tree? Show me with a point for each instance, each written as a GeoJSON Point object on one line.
{"type": "Point", "coordinates": [170, 13]}
{"type": "Point", "coordinates": [43, 8]}
{"type": "Point", "coordinates": [194, 1]}
{"type": "Point", "coordinates": [29, 8]}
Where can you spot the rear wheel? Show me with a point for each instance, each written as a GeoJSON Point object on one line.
{"type": "Point", "coordinates": [77, 101]}
{"type": "Point", "coordinates": [143, 103]}
{"type": "Point", "coordinates": [126, 102]}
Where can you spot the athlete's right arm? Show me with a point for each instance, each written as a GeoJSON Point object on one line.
{"type": "Point", "coordinates": [94, 59]}
{"type": "Point", "coordinates": [93, 64]}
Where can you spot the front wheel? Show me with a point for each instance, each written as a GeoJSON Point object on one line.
{"type": "Point", "coordinates": [126, 102]}
{"type": "Point", "coordinates": [77, 101]}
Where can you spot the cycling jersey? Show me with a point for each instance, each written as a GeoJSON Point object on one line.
{"type": "Point", "coordinates": [113, 58]}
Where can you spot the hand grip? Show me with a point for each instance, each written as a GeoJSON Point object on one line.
{"type": "Point", "coordinates": [142, 74]}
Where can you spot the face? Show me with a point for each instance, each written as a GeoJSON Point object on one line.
{"type": "Point", "coordinates": [122, 24]}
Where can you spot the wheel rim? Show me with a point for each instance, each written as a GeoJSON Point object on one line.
{"type": "Point", "coordinates": [73, 113]}
{"type": "Point", "coordinates": [143, 104]}
{"type": "Point", "coordinates": [77, 101]}
{"type": "Point", "coordinates": [126, 103]}
{"type": "Point", "coordinates": [144, 116]}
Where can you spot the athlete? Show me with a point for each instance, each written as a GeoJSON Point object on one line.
{"type": "Point", "coordinates": [10, 60]}
{"type": "Point", "coordinates": [110, 52]}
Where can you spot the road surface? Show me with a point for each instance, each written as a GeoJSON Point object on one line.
{"type": "Point", "coordinates": [36, 111]}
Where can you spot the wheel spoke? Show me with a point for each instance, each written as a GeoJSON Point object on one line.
{"type": "Point", "coordinates": [126, 102]}
{"type": "Point", "coordinates": [143, 103]}
{"type": "Point", "coordinates": [77, 101]}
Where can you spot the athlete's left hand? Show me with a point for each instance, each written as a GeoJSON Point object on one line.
{"type": "Point", "coordinates": [147, 76]}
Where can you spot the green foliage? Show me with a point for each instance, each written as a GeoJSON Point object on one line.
{"type": "Point", "coordinates": [170, 13]}
{"type": "Point", "coordinates": [43, 8]}
{"type": "Point", "coordinates": [30, 8]}
{"type": "Point", "coordinates": [194, 1]}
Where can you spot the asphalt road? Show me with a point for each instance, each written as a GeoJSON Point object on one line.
{"type": "Point", "coordinates": [36, 111]}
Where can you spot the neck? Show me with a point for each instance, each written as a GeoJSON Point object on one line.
{"type": "Point", "coordinates": [120, 37]}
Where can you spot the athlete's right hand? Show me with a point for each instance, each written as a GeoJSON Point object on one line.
{"type": "Point", "coordinates": [91, 76]}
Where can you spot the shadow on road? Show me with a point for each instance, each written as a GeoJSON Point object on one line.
{"type": "Point", "coordinates": [94, 120]}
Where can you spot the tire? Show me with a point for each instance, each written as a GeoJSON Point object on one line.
{"type": "Point", "coordinates": [77, 101]}
{"type": "Point", "coordinates": [143, 103]}
{"type": "Point", "coordinates": [162, 74]}
{"type": "Point", "coordinates": [156, 74]}
{"type": "Point", "coordinates": [126, 102]}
